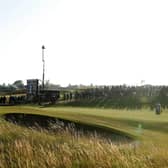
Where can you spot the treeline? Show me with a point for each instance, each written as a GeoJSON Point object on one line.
{"type": "Point", "coordinates": [16, 88]}
{"type": "Point", "coordinates": [7, 88]}
{"type": "Point", "coordinates": [119, 96]}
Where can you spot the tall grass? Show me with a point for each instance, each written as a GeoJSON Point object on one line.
{"type": "Point", "coordinates": [65, 148]}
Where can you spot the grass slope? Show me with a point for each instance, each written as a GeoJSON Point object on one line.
{"type": "Point", "coordinates": [143, 124]}
{"type": "Point", "coordinates": [21, 147]}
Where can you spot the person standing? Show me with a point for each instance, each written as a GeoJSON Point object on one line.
{"type": "Point", "coordinates": [158, 108]}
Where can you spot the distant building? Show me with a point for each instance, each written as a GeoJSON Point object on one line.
{"type": "Point", "coordinates": [51, 96]}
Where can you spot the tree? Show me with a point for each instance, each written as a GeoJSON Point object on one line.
{"type": "Point", "coordinates": [19, 84]}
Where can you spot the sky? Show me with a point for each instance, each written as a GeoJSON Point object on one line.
{"type": "Point", "coordinates": [100, 42]}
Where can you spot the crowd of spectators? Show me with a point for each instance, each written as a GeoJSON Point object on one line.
{"type": "Point", "coordinates": [12, 100]}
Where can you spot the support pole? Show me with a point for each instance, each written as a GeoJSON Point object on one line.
{"type": "Point", "coordinates": [43, 48]}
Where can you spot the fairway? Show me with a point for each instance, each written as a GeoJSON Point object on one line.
{"type": "Point", "coordinates": [143, 124]}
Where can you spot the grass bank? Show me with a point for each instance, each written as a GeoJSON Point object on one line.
{"type": "Point", "coordinates": [22, 147]}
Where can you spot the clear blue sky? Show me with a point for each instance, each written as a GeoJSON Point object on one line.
{"type": "Point", "coordinates": [92, 41]}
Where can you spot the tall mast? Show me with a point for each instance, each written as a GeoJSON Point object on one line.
{"type": "Point", "coordinates": [43, 48]}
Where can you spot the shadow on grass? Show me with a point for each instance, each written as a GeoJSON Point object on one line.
{"type": "Point", "coordinates": [57, 124]}
{"type": "Point", "coordinates": [149, 125]}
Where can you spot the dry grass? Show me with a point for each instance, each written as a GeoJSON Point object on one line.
{"type": "Point", "coordinates": [21, 147]}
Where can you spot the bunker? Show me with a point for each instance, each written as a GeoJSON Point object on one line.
{"type": "Point", "coordinates": [57, 124]}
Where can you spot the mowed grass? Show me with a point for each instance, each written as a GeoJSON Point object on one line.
{"type": "Point", "coordinates": [21, 146]}
{"type": "Point", "coordinates": [144, 124]}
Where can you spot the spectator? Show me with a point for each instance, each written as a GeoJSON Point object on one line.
{"type": "Point", "coordinates": [158, 108]}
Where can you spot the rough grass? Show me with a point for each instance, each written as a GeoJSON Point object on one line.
{"type": "Point", "coordinates": [22, 147]}
{"type": "Point", "coordinates": [143, 124]}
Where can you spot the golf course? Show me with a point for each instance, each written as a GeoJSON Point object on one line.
{"type": "Point", "coordinates": [135, 138]}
